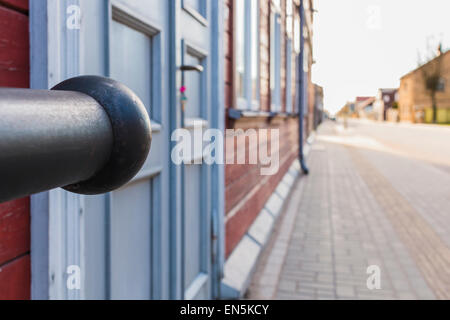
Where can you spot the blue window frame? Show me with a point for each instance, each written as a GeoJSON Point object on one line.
{"type": "Point", "coordinates": [247, 54]}
{"type": "Point", "coordinates": [197, 9]}
{"type": "Point", "coordinates": [275, 56]}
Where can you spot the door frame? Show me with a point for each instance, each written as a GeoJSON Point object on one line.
{"type": "Point", "coordinates": [55, 54]}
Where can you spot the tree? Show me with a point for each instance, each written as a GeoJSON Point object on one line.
{"type": "Point", "coordinates": [432, 79]}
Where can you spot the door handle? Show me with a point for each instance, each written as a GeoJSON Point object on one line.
{"type": "Point", "coordinates": [89, 135]}
{"type": "Point", "coordinates": [197, 68]}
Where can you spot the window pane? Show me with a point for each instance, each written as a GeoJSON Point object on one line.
{"type": "Point", "coordinates": [254, 48]}
{"type": "Point", "coordinates": [240, 47]}
{"type": "Point", "coordinates": [289, 13]}
{"type": "Point", "coordinates": [297, 35]}
{"type": "Point", "coordinates": [289, 7]}
{"type": "Point", "coordinates": [131, 57]}
{"type": "Point", "coordinates": [275, 61]}
{"type": "Point", "coordinates": [194, 4]}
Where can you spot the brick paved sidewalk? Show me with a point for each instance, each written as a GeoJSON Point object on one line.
{"type": "Point", "coordinates": [360, 207]}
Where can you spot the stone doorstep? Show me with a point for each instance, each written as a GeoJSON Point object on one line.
{"type": "Point", "coordinates": [240, 266]}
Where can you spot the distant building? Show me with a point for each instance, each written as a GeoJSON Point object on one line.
{"type": "Point", "coordinates": [348, 110]}
{"type": "Point", "coordinates": [386, 99]}
{"type": "Point", "coordinates": [415, 103]}
{"type": "Point", "coordinates": [364, 107]}
{"type": "Point", "coordinates": [318, 105]}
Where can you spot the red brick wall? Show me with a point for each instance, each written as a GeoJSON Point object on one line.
{"type": "Point", "coordinates": [15, 215]}
{"type": "Point", "coordinates": [246, 190]}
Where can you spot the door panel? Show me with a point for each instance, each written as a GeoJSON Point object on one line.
{"type": "Point", "coordinates": [193, 224]}
{"type": "Point", "coordinates": [194, 88]}
{"type": "Point", "coordinates": [131, 56]}
{"type": "Point", "coordinates": [131, 242]}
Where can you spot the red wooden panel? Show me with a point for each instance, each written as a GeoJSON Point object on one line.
{"type": "Point", "coordinates": [14, 49]}
{"type": "Point", "coordinates": [15, 275]}
{"type": "Point", "coordinates": [21, 5]}
{"type": "Point", "coordinates": [14, 229]}
{"type": "Point", "coordinates": [15, 279]}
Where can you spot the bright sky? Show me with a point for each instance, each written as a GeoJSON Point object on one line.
{"type": "Point", "coordinates": [363, 45]}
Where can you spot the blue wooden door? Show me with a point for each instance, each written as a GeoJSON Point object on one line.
{"type": "Point", "coordinates": [194, 40]}
{"type": "Point", "coordinates": [151, 239]}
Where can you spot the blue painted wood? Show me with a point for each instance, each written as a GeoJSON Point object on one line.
{"type": "Point", "coordinates": [152, 238]}
{"type": "Point", "coordinates": [40, 202]}
{"type": "Point", "coordinates": [55, 56]}
{"type": "Point", "coordinates": [175, 188]}
{"type": "Point", "coordinates": [218, 122]}
{"type": "Point", "coordinates": [131, 235]}
{"type": "Point", "coordinates": [136, 51]}
{"type": "Point", "coordinates": [196, 178]}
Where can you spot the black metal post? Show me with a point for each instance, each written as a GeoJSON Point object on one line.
{"type": "Point", "coordinates": [89, 135]}
{"type": "Point", "coordinates": [301, 89]}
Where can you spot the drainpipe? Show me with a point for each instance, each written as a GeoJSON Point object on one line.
{"type": "Point", "coordinates": [301, 90]}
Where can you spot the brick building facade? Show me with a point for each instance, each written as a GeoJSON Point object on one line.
{"type": "Point", "coordinates": [265, 59]}
{"type": "Point", "coordinates": [415, 103]}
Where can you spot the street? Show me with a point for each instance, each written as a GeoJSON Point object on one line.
{"type": "Point", "coordinates": [378, 195]}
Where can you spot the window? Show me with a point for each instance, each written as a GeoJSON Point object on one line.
{"type": "Point", "coordinates": [306, 59]}
{"type": "Point", "coordinates": [441, 85]}
{"type": "Point", "coordinates": [289, 18]}
{"type": "Point", "coordinates": [275, 60]}
{"type": "Point", "coordinates": [289, 56]}
{"type": "Point", "coordinates": [297, 34]}
{"type": "Point", "coordinates": [247, 54]}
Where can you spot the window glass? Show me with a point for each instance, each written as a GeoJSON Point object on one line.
{"type": "Point", "coordinates": [194, 4]}
{"type": "Point", "coordinates": [297, 35]}
{"type": "Point", "coordinates": [289, 13]}
{"type": "Point", "coordinates": [240, 47]}
{"type": "Point", "coordinates": [275, 61]}
{"type": "Point", "coordinates": [254, 48]}
{"type": "Point", "coordinates": [247, 53]}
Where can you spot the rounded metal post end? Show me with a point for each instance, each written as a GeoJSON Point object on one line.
{"type": "Point", "coordinates": [131, 130]}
